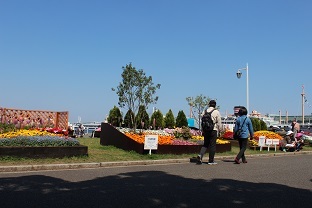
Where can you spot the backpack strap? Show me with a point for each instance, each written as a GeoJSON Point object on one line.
{"type": "Point", "coordinates": [241, 126]}
{"type": "Point", "coordinates": [211, 111]}
{"type": "Point", "coordinates": [211, 117]}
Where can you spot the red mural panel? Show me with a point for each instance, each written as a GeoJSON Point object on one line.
{"type": "Point", "coordinates": [34, 118]}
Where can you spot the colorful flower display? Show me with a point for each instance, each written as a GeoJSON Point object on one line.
{"type": "Point", "coordinates": [36, 137]}
{"type": "Point", "coordinates": [168, 136]}
{"type": "Point", "coordinates": [25, 132]}
{"type": "Point", "coordinates": [228, 134]}
{"type": "Point", "coordinates": [140, 137]}
{"type": "Point", "coordinates": [267, 134]}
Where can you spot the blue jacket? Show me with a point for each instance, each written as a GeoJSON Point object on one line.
{"type": "Point", "coordinates": [247, 128]}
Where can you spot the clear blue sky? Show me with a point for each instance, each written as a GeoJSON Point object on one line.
{"type": "Point", "coordinates": [66, 55]}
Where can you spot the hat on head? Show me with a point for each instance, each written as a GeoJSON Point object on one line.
{"type": "Point", "coordinates": [299, 135]}
{"type": "Point", "coordinates": [289, 133]}
{"type": "Point", "coordinates": [212, 102]}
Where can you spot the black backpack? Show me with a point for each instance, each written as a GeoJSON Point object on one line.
{"type": "Point", "coordinates": [207, 122]}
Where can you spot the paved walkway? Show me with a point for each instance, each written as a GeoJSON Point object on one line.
{"type": "Point", "coordinates": [20, 168]}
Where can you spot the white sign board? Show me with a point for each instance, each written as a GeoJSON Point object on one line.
{"type": "Point", "coordinates": [269, 142]}
{"type": "Point", "coordinates": [261, 141]}
{"type": "Point", "coordinates": [151, 142]}
{"type": "Point", "coordinates": [275, 141]}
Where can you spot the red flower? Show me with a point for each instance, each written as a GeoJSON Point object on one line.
{"type": "Point", "coordinates": [228, 135]}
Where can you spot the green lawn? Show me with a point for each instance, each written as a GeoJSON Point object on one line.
{"type": "Point", "coordinates": [99, 153]}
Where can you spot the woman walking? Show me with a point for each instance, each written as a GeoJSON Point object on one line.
{"type": "Point", "coordinates": [244, 126]}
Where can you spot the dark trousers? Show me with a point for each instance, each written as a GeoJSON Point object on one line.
{"type": "Point", "coordinates": [210, 142]}
{"type": "Point", "coordinates": [242, 146]}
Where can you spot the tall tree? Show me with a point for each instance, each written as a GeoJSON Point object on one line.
{"type": "Point", "coordinates": [142, 118]}
{"type": "Point", "coordinates": [181, 120]}
{"type": "Point", "coordinates": [197, 106]}
{"type": "Point", "coordinates": [128, 119]}
{"type": "Point", "coordinates": [115, 117]}
{"type": "Point", "coordinates": [157, 120]}
{"type": "Point", "coordinates": [263, 125]}
{"type": "Point", "coordinates": [169, 120]}
{"type": "Point", "coordinates": [136, 89]}
{"type": "Point", "coordinates": [256, 124]}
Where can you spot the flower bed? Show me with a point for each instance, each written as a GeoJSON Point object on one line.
{"type": "Point", "coordinates": [44, 152]}
{"type": "Point", "coordinates": [38, 141]}
{"type": "Point", "coordinates": [112, 136]}
{"type": "Point", "coordinates": [39, 144]}
{"type": "Point", "coordinates": [267, 134]}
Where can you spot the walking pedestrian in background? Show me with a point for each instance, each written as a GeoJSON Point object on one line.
{"type": "Point", "coordinates": [243, 123]}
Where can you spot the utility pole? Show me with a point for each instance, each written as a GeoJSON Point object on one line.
{"type": "Point", "coordinates": [302, 104]}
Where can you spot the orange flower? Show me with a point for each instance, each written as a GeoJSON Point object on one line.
{"type": "Point", "coordinates": [267, 134]}
{"type": "Point", "coordinates": [140, 138]}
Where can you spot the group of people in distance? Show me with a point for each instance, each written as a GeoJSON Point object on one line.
{"type": "Point", "coordinates": [243, 125]}
{"type": "Point", "coordinates": [78, 132]}
{"type": "Point", "coordinates": [292, 141]}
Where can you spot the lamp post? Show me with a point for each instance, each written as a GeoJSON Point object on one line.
{"type": "Point", "coordinates": [302, 103]}
{"type": "Point", "coordinates": [239, 75]}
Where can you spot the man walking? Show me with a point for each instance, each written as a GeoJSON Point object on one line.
{"type": "Point", "coordinates": [210, 137]}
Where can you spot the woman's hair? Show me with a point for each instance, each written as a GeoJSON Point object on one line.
{"type": "Point", "coordinates": [242, 111]}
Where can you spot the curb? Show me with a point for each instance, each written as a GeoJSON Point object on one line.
{"type": "Point", "coordinates": [47, 167]}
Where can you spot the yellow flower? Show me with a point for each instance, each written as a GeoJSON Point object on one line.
{"type": "Point", "coordinates": [24, 132]}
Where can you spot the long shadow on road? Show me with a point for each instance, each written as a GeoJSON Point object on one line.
{"type": "Point", "coordinates": [147, 189]}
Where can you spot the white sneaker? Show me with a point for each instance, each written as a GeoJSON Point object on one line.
{"type": "Point", "coordinates": [212, 163]}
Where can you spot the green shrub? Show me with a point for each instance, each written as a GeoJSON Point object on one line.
{"type": "Point", "coordinates": [183, 132]}
{"type": "Point", "coordinates": [4, 128]}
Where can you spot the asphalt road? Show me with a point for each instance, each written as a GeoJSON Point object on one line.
{"type": "Point", "coordinates": [279, 181]}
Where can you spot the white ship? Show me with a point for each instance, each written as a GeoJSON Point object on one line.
{"type": "Point", "coordinates": [89, 127]}
{"type": "Point", "coordinates": [267, 119]}
{"type": "Point", "coordinates": [228, 122]}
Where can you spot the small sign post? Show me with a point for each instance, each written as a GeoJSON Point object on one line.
{"type": "Point", "coordinates": [275, 142]}
{"type": "Point", "coordinates": [151, 143]}
{"type": "Point", "coordinates": [261, 142]}
{"type": "Point", "coordinates": [269, 142]}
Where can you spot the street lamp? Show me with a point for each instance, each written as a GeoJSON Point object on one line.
{"type": "Point", "coordinates": [239, 75]}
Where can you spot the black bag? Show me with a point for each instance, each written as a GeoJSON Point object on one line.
{"type": "Point", "coordinates": [238, 133]}
{"type": "Point", "coordinates": [207, 122]}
